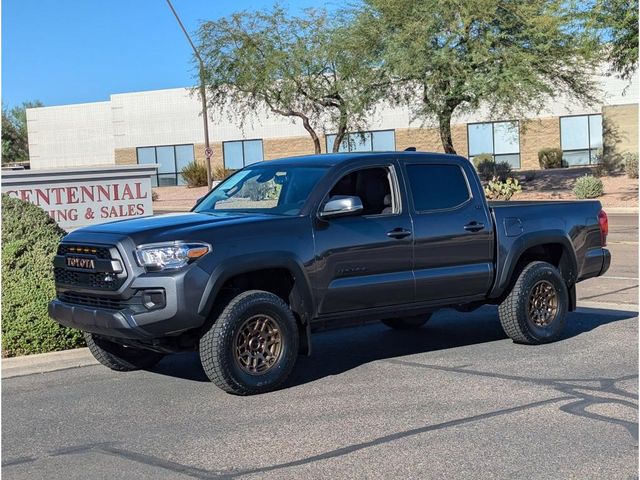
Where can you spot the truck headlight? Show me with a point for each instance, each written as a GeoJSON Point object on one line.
{"type": "Point", "coordinates": [169, 256]}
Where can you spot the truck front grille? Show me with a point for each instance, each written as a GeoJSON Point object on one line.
{"type": "Point", "coordinates": [86, 280]}
{"type": "Point", "coordinates": [92, 301]}
{"type": "Point", "coordinates": [99, 252]}
{"type": "Point", "coordinates": [93, 280]}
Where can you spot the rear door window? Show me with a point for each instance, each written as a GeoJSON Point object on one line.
{"type": "Point", "coordinates": [437, 187]}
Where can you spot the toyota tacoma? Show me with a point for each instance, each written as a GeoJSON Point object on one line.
{"type": "Point", "coordinates": [286, 247]}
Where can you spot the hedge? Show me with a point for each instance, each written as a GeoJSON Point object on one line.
{"type": "Point", "coordinates": [29, 241]}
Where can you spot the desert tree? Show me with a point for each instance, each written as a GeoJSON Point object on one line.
{"type": "Point", "coordinates": [616, 24]}
{"type": "Point", "coordinates": [15, 143]}
{"type": "Point", "coordinates": [507, 56]}
{"type": "Point", "coordinates": [311, 67]}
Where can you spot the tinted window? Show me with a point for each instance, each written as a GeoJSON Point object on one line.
{"type": "Point", "coordinates": [435, 187]}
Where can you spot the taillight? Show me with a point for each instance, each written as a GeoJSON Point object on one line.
{"type": "Point", "coordinates": [603, 220]}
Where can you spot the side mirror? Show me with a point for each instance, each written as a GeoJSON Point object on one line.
{"type": "Point", "coordinates": [199, 200]}
{"type": "Point", "coordinates": [341, 206]}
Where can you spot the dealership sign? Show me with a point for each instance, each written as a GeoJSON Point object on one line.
{"type": "Point", "coordinates": [74, 198]}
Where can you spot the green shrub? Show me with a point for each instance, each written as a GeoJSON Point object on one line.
{"type": "Point", "coordinates": [195, 174]}
{"type": "Point", "coordinates": [497, 189]}
{"type": "Point", "coordinates": [503, 171]}
{"type": "Point", "coordinates": [481, 158]}
{"type": "Point", "coordinates": [588, 187]}
{"type": "Point", "coordinates": [220, 173]}
{"type": "Point", "coordinates": [550, 158]}
{"type": "Point", "coordinates": [487, 168]}
{"type": "Point", "coordinates": [631, 164]}
{"type": "Point", "coordinates": [29, 241]}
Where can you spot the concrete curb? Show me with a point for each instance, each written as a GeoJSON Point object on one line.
{"type": "Point", "coordinates": [81, 357]}
{"type": "Point", "coordinates": [46, 362]}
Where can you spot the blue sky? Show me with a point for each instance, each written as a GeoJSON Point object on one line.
{"type": "Point", "coordinates": [74, 51]}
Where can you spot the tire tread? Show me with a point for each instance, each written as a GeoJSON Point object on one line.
{"type": "Point", "coordinates": [212, 343]}
{"type": "Point", "coordinates": [513, 322]}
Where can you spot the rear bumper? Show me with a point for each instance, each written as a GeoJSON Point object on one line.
{"type": "Point", "coordinates": [606, 261]}
{"type": "Point", "coordinates": [596, 263]}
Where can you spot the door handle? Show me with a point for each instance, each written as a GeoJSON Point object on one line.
{"type": "Point", "coordinates": [398, 233]}
{"type": "Point", "coordinates": [474, 226]}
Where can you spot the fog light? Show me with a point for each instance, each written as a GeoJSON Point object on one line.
{"type": "Point", "coordinates": [153, 299]}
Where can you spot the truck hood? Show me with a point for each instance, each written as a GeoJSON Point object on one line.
{"type": "Point", "coordinates": [171, 222]}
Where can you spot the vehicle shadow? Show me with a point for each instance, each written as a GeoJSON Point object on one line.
{"type": "Point", "coordinates": [337, 351]}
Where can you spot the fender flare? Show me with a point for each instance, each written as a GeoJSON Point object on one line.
{"type": "Point", "coordinates": [512, 253]}
{"type": "Point", "coordinates": [301, 299]}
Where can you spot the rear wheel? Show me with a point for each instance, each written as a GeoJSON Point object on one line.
{"type": "Point", "coordinates": [119, 357]}
{"type": "Point", "coordinates": [535, 311]}
{"type": "Point", "coordinates": [407, 323]}
{"type": "Point", "coordinates": [252, 346]}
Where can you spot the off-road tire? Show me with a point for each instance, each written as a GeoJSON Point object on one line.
{"type": "Point", "coordinates": [118, 357]}
{"type": "Point", "coordinates": [407, 323]}
{"type": "Point", "coordinates": [218, 351]}
{"type": "Point", "coordinates": [514, 310]}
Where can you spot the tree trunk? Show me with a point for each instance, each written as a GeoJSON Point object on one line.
{"type": "Point", "coordinates": [312, 132]}
{"type": "Point", "coordinates": [444, 120]}
{"type": "Point", "coordinates": [305, 123]}
{"type": "Point", "coordinates": [341, 133]}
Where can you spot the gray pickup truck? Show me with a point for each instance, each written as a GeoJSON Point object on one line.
{"type": "Point", "coordinates": [286, 247]}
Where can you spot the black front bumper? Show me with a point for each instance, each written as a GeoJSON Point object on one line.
{"type": "Point", "coordinates": [112, 323]}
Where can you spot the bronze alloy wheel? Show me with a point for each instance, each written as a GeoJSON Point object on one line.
{"type": "Point", "coordinates": [258, 344]}
{"type": "Point", "coordinates": [543, 304]}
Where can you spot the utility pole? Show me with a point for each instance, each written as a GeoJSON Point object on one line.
{"type": "Point", "coordinates": [203, 95]}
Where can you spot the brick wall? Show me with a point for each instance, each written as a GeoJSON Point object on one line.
{"type": "Point", "coordinates": [428, 139]}
{"type": "Point", "coordinates": [620, 128]}
{"type": "Point", "coordinates": [289, 147]}
{"type": "Point", "coordinates": [126, 156]}
{"type": "Point", "coordinates": [536, 135]}
{"type": "Point", "coordinates": [216, 158]}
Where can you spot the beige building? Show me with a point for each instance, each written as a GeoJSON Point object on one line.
{"type": "Point", "coordinates": [165, 127]}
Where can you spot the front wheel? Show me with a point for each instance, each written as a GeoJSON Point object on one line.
{"type": "Point", "coordinates": [535, 311]}
{"type": "Point", "coordinates": [120, 357]}
{"type": "Point", "coordinates": [252, 346]}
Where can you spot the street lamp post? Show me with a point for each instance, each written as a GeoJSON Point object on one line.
{"type": "Point", "coordinates": [208, 152]}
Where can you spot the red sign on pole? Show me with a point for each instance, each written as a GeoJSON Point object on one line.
{"type": "Point", "coordinates": [208, 152]}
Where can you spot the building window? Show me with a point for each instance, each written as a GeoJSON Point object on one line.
{"type": "Point", "coordinates": [240, 153]}
{"type": "Point", "coordinates": [580, 139]}
{"type": "Point", "coordinates": [499, 139]}
{"type": "Point", "coordinates": [374, 141]}
{"type": "Point", "coordinates": [171, 159]}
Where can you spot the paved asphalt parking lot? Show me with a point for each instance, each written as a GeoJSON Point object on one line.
{"type": "Point", "coordinates": [455, 400]}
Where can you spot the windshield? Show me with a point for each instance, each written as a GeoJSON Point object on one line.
{"type": "Point", "coordinates": [276, 190]}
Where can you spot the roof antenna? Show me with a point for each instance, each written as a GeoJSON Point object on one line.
{"type": "Point", "coordinates": [410, 149]}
